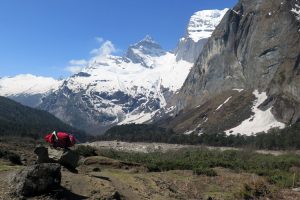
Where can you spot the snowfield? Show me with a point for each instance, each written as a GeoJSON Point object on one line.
{"type": "Point", "coordinates": [27, 84]}
{"type": "Point", "coordinates": [115, 74]}
{"type": "Point", "coordinates": [261, 121]}
{"type": "Point", "coordinates": [203, 23]}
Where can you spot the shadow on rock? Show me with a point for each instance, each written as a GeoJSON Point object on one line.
{"type": "Point", "coordinates": [65, 194]}
{"type": "Point", "coordinates": [67, 158]}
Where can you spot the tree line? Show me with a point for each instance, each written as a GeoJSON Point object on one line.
{"type": "Point", "coordinates": [274, 139]}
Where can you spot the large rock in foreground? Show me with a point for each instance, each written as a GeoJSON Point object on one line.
{"type": "Point", "coordinates": [37, 179]}
{"type": "Point", "coordinates": [67, 158]}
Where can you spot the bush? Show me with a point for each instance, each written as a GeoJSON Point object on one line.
{"type": "Point", "coordinates": [205, 171]}
{"type": "Point", "coordinates": [85, 151]}
{"type": "Point", "coordinates": [14, 158]}
{"type": "Point", "coordinates": [275, 168]}
{"type": "Point", "coordinates": [11, 156]}
{"type": "Point", "coordinates": [255, 190]}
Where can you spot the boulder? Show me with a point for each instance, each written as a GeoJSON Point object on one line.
{"type": "Point", "coordinates": [37, 179]}
{"type": "Point", "coordinates": [67, 158]}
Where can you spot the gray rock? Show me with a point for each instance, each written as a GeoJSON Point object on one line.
{"type": "Point", "coordinates": [67, 158]}
{"type": "Point", "coordinates": [189, 50]}
{"type": "Point", "coordinates": [37, 179]}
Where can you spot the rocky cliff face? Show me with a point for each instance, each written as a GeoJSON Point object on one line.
{"type": "Point", "coordinates": [256, 46]}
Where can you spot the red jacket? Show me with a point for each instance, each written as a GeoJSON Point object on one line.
{"type": "Point", "coordinates": [63, 140]}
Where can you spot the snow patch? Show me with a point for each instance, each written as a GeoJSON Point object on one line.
{"type": "Point", "coordinates": [138, 118]}
{"type": "Point", "coordinates": [296, 11]}
{"type": "Point", "coordinates": [239, 90]}
{"type": "Point", "coordinates": [261, 121]}
{"type": "Point", "coordinates": [220, 106]}
{"type": "Point", "coordinates": [188, 132]}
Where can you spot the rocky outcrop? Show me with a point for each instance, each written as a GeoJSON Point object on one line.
{"type": "Point", "coordinates": [67, 158]}
{"type": "Point", "coordinates": [37, 179]}
{"type": "Point", "coordinates": [256, 46]}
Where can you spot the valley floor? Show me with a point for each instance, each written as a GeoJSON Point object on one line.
{"type": "Point", "coordinates": [99, 177]}
{"type": "Point", "coordinates": [144, 147]}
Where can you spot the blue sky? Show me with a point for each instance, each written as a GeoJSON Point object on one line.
{"type": "Point", "coordinates": [41, 37]}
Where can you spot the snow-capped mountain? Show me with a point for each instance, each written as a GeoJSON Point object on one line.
{"type": "Point", "coordinates": [116, 90]}
{"type": "Point", "coordinates": [27, 88]}
{"type": "Point", "coordinates": [134, 88]}
{"type": "Point", "coordinates": [200, 28]}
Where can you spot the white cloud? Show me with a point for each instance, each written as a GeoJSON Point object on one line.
{"type": "Point", "coordinates": [99, 39]}
{"type": "Point", "coordinates": [78, 62]}
{"type": "Point", "coordinates": [74, 69]}
{"type": "Point", "coordinates": [106, 48]}
{"type": "Point", "coordinates": [76, 66]}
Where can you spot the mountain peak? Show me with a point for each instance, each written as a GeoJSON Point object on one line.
{"type": "Point", "coordinates": [143, 50]}
{"type": "Point", "coordinates": [146, 42]}
{"type": "Point", "coordinates": [148, 38]}
{"type": "Point", "coordinates": [203, 23]}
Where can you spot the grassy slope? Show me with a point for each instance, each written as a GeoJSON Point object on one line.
{"type": "Point", "coordinates": [278, 170]}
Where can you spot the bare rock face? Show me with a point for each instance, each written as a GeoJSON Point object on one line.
{"type": "Point", "coordinates": [256, 46]}
{"type": "Point", "coordinates": [37, 179]}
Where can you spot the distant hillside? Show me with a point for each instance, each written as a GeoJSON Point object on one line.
{"type": "Point", "coordinates": [19, 120]}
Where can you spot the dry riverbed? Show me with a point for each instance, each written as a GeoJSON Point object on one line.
{"type": "Point", "coordinates": [143, 147]}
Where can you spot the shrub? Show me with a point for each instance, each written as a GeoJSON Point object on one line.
{"type": "Point", "coordinates": [205, 171]}
{"type": "Point", "coordinates": [254, 190]}
{"type": "Point", "coordinates": [11, 156]}
{"type": "Point", "coordinates": [14, 158]}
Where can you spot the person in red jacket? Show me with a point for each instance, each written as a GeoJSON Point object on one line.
{"type": "Point", "coordinates": [60, 139]}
